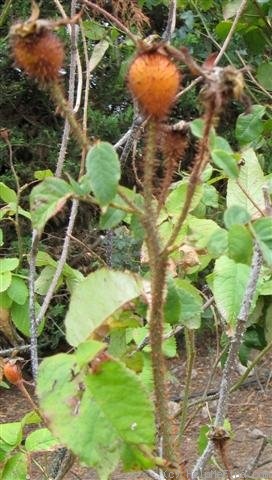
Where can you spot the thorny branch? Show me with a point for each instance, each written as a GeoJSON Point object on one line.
{"type": "Point", "coordinates": [234, 346]}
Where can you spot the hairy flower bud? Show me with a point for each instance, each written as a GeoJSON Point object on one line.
{"type": "Point", "coordinates": [154, 81]}
{"type": "Point", "coordinates": [39, 53]}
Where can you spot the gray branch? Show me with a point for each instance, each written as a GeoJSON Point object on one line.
{"type": "Point", "coordinates": [32, 308]}
{"type": "Point", "coordinates": [9, 351]}
{"type": "Point", "coordinates": [71, 92]}
{"type": "Point", "coordinates": [224, 391]}
{"type": "Point", "coordinates": [60, 264]}
{"type": "Point", "coordinates": [171, 22]}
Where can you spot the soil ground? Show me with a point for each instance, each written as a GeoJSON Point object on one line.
{"type": "Point", "coordinates": [250, 415]}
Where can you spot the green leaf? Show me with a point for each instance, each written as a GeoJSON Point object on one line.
{"type": "Point", "coordinates": [42, 174]}
{"type": "Point", "coordinates": [254, 39]}
{"type": "Point", "coordinates": [20, 318]}
{"type": "Point", "coordinates": [5, 300]}
{"type": "Point", "coordinates": [75, 418]}
{"type": "Point", "coordinates": [8, 264]}
{"type": "Point", "coordinates": [249, 127]}
{"type": "Point", "coordinates": [169, 347]}
{"type": "Point", "coordinates": [229, 283]}
{"type": "Point", "coordinates": [218, 243]}
{"type": "Point", "coordinates": [210, 196]}
{"type": "Point", "coordinates": [263, 232]}
{"type": "Point", "coordinates": [236, 215]}
{"type": "Point", "coordinates": [225, 161]}
{"type": "Point", "coordinates": [97, 297]}
{"type": "Point", "coordinates": [202, 440]}
{"type": "Point", "coordinates": [104, 172]}
{"type": "Point", "coordinates": [15, 468]}
{"type": "Point", "coordinates": [44, 280]}
{"type": "Point", "coordinates": [197, 128]}
{"type": "Point", "coordinates": [86, 351]}
{"type": "Point", "coordinates": [47, 199]}
{"type": "Point", "coordinates": [93, 30]}
{"type": "Point", "coordinates": [11, 433]}
{"type": "Point", "coordinates": [1, 238]}
{"type": "Point", "coordinates": [254, 337]}
{"type": "Point", "coordinates": [43, 259]}
{"type": "Point", "coordinates": [30, 418]}
{"type": "Point", "coordinates": [266, 288]}
{"type": "Point", "coordinates": [264, 75]}
{"type": "Point", "coordinates": [244, 353]}
{"type": "Point", "coordinates": [201, 231]}
{"type": "Point", "coordinates": [230, 9]}
{"type": "Point", "coordinates": [240, 244]}
{"type": "Point", "coordinates": [18, 290]}
{"type": "Point", "coordinates": [183, 304]}
{"type": "Point", "coordinates": [134, 459]}
{"type": "Point", "coordinates": [177, 196]}
{"type": "Point", "coordinates": [268, 324]}
{"type": "Point", "coordinates": [40, 440]}
{"type": "Point", "coordinates": [5, 281]}
{"type": "Point", "coordinates": [222, 29]}
{"type": "Point", "coordinates": [7, 194]}
{"type": "Point", "coordinates": [123, 401]}
{"type": "Point", "coordinates": [98, 53]}
{"type": "Point", "coordinates": [111, 218]}
{"type": "Point", "coordinates": [252, 180]}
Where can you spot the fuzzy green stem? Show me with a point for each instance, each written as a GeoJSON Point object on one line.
{"type": "Point", "coordinates": [158, 281]}
{"type": "Point", "coordinates": [190, 353]}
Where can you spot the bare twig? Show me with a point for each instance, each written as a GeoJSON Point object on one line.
{"type": "Point", "coordinates": [190, 356]}
{"type": "Point", "coordinates": [10, 351]}
{"type": "Point", "coordinates": [112, 19]}
{"type": "Point", "coordinates": [171, 21]}
{"type": "Point", "coordinates": [245, 192]}
{"type": "Point", "coordinates": [32, 308]}
{"type": "Point", "coordinates": [71, 87]}
{"type": "Point", "coordinates": [171, 334]}
{"type": "Point", "coordinates": [234, 346]}
{"type": "Point", "coordinates": [134, 130]}
{"type": "Point", "coordinates": [253, 79]}
{"type": "Point", "coordinates": [153, 475]}
{"type": "Point", "coordinates": [189, 87]}
{"type": "Point", "coordinates": [65, 460]}
{"type": "Point", "coordinates": [254, 463]}
{"type": "Point", "coordinates": [60, 264]}
{"type": "Point", "coordinates": [232, 30]}
{"type": "Point", "coordinates": [252, 365]}
{"type": "Point", "coordinates": [123, 139]}
{"type": "Point", "coordinates": [4, 134]}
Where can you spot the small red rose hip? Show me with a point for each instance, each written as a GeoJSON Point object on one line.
{"type": "Point", "coordinates": [12, 372]}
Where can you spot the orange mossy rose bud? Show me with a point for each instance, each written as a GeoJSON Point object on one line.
{"type": "Point", "coordinates": [154, 81]}
{"type": "Point", "coordinates": [40, 54]}
{"type": "Point", "coordinates": [12, 372]}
